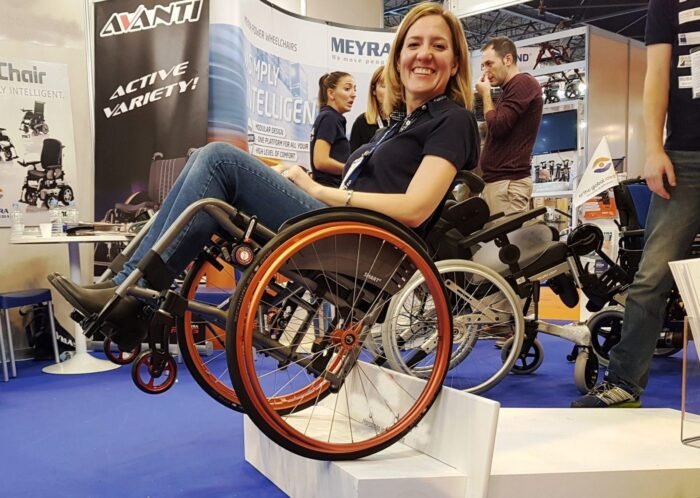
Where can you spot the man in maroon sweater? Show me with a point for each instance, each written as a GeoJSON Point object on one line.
{"type": "Point", "coordinates": [512, 124]}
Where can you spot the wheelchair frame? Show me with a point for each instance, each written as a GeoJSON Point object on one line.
{"type": "Point", "coordinates": [340, 346]}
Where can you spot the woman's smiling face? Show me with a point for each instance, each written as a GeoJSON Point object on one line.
{"type": "Point", "coordinates": [427, 60]}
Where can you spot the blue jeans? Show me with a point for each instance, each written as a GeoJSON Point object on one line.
{"type": "Point", "coordinates": [221, 171]}
{"type": "Point", "coordinates": [670, 229]}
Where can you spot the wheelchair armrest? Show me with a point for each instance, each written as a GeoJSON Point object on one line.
{"type": "Point", "coordinates": [29, 163]}
{"type": "Point", "coordinates": [503, 225]}
{"type": "Point", "coordinates": [134, 208]}
{"type": "Point", "coordinates": [472, 180]}
{"type": "Point", "coordinates": [632, 233]}
{"type": "Point", "coordinates": [467, 216]}
{"type": "Point", "coordinates": [496, 216]}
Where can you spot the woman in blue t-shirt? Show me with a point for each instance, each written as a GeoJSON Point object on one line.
{"type": "Point", "coordinates": [330, 147]}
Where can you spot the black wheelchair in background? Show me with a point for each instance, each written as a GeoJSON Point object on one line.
{"type": "Point", "coordinates": [632, 198]}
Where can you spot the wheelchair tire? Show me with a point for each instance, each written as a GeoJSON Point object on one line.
{"type": "Point", "coordinates": [527, 361]}
{"type": "Point", "coordinates": [586, 370]}
{"type": "Point", "coordinates": [202, 340]}
{"type": "Point", "coordinates": [297, 386]}
{"type": "Point", "coordinates": [605, 327]}
{"type": "Point", "coordinates": [483, 310]}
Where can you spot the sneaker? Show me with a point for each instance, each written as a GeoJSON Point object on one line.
{"type": "Point", "coordinates": [608, 395]}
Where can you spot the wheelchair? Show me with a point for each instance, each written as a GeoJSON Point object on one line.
{"type": "Point", "coordinates": [45, 180]}
{"type": "Point", "coordinates": [632, 198]}
{"type": "Point", "coordinates": [7, 149]}
{"type": "Point", "coordinates": [140, 206]}
{"type": "Point", "coordinates": [493, 270]}
{"type": "Point", "coordinates": [33, 122]}
{"type": "Point", "coordinates": [298, 328]}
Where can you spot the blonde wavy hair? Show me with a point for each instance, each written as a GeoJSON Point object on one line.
{"type": "Point", "coordinates": [459, 87]}
{"type": "Point", "coordinates": [373, 104]}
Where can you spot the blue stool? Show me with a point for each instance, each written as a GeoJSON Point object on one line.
{"type": "Point", "coordinates": [9, 300]}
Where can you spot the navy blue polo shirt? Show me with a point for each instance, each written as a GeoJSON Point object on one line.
{"type": "Point", "coordinates": [330, 127]}
{"type": "Point", "coordinates": [664, 26]}
{"type": "Point", "coordinates": [445, 129]}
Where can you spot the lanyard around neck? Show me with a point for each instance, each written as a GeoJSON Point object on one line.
{"type": "Point", "coordinates": [396, 129]}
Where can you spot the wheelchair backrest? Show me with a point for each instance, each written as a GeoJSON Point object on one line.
{"type": "Point", "coordinates": [51, 153]}
{"type": "Point", "coordinates": [162, 176]}
{"type": "Point", "coordinates": [39, 109]}
{"type": "Point", "coordinates": [632, 198]}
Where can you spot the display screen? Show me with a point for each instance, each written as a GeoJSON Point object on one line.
{"type": "Point", "coordinates": [558, 132]}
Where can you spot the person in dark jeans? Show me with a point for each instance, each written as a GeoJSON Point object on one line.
{"type": "Point", "coordinates": [512, 123]}
{"type": "Point", "coordinates": [405, 175]}
{"type": "Point", "coordinates": [672, 171]}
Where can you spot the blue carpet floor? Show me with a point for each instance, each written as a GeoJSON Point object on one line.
{"type": "Point", "coordinates": [98, 436]}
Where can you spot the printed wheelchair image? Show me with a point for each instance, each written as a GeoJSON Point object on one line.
{"type": "Point", "coordinates": [45, 180]}
{"type": "Point", "coordinates": [7, 149]}
{"type": "Point", "coordinates": [33, 122]}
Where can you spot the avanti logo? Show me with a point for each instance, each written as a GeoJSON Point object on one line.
{"type": "Point", "coordinates": [602, 164]}
{"type": "Point", "coordinates": [349, 46]}
{"type": "Point", "coordinates": [142, 18]}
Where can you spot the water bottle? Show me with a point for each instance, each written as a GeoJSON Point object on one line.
{"type": "Point", "coordinates": [17, 221]}
{"type": "Point", "coordinates": [56, 218]}
{"type": "Point", "coordinates": [71, 218]}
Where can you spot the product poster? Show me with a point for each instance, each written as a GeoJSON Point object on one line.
{"type": "Point", "coordinates": [37, 151]}
{"type": "Point", "coordinates": [151, 90]}
{"type": "Point", "coordinates": [264, 70]}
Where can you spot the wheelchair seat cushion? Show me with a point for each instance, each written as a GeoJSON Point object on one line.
{"type": "Point", "coordinates": [34, 174]}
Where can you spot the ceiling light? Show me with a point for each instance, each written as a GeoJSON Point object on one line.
{"type": "Point", "coordinates": [466, 8]}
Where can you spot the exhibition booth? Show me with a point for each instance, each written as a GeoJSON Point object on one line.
{"type": "Point", "coordinates": [342, 355]}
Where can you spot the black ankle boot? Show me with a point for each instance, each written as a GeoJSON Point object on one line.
{"type": "Point", "coordinates": [127, 316]}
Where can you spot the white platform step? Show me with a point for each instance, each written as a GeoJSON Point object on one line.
{"type": "Point", "coordinates": [611, 453]}
{"type": "Point", "coordinates": [448, 455]}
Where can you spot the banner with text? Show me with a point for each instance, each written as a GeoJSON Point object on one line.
{"type": "Point", "coordinates": [37, 149]}
{"type": "Point", "coordinates": [151, 91]}
{"type": "Point", "coordinates": [264, 70]}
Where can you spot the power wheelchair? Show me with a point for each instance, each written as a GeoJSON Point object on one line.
{"type": "Point", "coordinates": [33, 121]}
{"type": "Point", "coordinates": [297, 329]}
{"type": "Point", "coordinates": [45, 180]}
{"type": "Point", "coordinates": [7, 148]}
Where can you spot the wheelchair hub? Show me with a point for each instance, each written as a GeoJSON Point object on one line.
{"type": "Point", "coordinates": [346, 338]}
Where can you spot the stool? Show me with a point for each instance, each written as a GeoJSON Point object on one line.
{"type": "Point", "coordinates": [9, 300]}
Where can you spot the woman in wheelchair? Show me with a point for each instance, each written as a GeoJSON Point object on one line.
{"type": "Point", "coordinates": [404, 173]}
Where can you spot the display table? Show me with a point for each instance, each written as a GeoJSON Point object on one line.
{"type": "Point", "coordinates": [81, 362]}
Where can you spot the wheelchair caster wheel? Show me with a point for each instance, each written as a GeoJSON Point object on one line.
{"type": "Point", "coordinates": [119, 357]}
{"type": "Point", "coordinates": [606, 331]}
{"type": "Point", "coordinates": [154, 375]}
{"type": "Point", "coordinates": [527, 361]}
{"type": "Point", "coordinates": [586, 370]}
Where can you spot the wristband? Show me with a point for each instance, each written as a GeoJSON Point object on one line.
{"type": "Point", "coordinates": [347, 201]}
